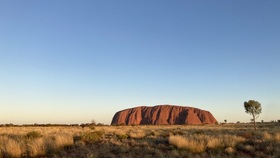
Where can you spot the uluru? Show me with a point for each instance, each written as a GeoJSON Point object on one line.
{"type": "Point", "coordinates": [163, 115]}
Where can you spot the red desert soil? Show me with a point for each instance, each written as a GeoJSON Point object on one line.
{"type": "Point", "coordinates": [163, 115]}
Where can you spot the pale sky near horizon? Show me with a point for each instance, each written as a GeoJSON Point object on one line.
{"type": "Point", "coordinates": [73, 61]}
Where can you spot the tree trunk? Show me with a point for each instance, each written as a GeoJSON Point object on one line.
{"type": "Point", "coordinates": [254, 122]}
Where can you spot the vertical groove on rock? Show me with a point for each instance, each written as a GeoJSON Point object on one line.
{"type": "Point", "coordinates": [170, 117]}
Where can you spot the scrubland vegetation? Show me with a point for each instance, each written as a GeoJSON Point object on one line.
{"type": "Point", "coordinates": [225, 140]}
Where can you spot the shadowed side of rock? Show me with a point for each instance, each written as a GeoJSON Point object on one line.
{"type": "Point", "coordinates": [163, 115]}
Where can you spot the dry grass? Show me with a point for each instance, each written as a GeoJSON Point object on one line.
{"type": "Point", "coordinates": [267, 136]}
{"type": "Point", "coordinates": [277, 137]}
{"type": "Point", "coordinates": [137, 134]}
{"type": "Point", "coordinates": [62, 140]}
{"type": "Point", "coordinates": [23, 141]}
{"type": "Point", "coordinates": [10, 147]}
{"type": "Point", "coordinates": [141, 141]}
{"type": "Point", "coordinates": [193, 145]}
{"type": "Point", "coordinates": [36, 147]}
{"type": "Point", "coordinates": [199, 143]}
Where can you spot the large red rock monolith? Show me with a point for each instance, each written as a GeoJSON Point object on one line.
{"type": "Point", "coordinates": [163, 115]}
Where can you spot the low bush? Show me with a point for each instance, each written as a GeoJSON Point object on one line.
{"type": "Point", "coordinates": [92, 127]}
{"type": "Point", "coordinates": [91, 137]}
{"type": "Point", "coordinates": [33, 135]}
{"type": "Point", "coordinates": [122, 136]}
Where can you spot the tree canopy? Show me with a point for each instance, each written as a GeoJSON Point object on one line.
{"type": "Point", "coordinates": [253, 108]}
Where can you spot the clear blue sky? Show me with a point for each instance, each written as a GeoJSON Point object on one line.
{"type": "Point", "coordinates": [74, 61]}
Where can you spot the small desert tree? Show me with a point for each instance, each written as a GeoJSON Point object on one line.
{"type": "Point", "coordinates": [93, 122]}
{"type": "Point", "coordinates": [253, 108]}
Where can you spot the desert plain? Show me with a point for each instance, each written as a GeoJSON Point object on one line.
{"type": "Point", "coordinates": [145, 141]}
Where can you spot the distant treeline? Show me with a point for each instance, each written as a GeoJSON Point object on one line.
{"type": "Point", "coordinates": [53, 125]}
{"type": "Point", "coordinates": [90, 124]}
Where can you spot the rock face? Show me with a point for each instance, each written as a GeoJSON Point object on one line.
{"type": "Point", "coordinates": [163, 115]}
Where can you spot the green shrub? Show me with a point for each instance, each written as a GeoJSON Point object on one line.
{"type": "Point", "coordinates": [76, 139]}
{"type": "Point", "coordinates": [122, 136]}
{"type": "Point", "coordinates": [201, 132]}
{"type": "Point", "coordinates": [33, 135]}
{"type": "Point", "coordinates": [177, 132]}
{"type": "Point", "coordinates": [92, 127]}
{"type": "Point", "coordinates": [91, 137]}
